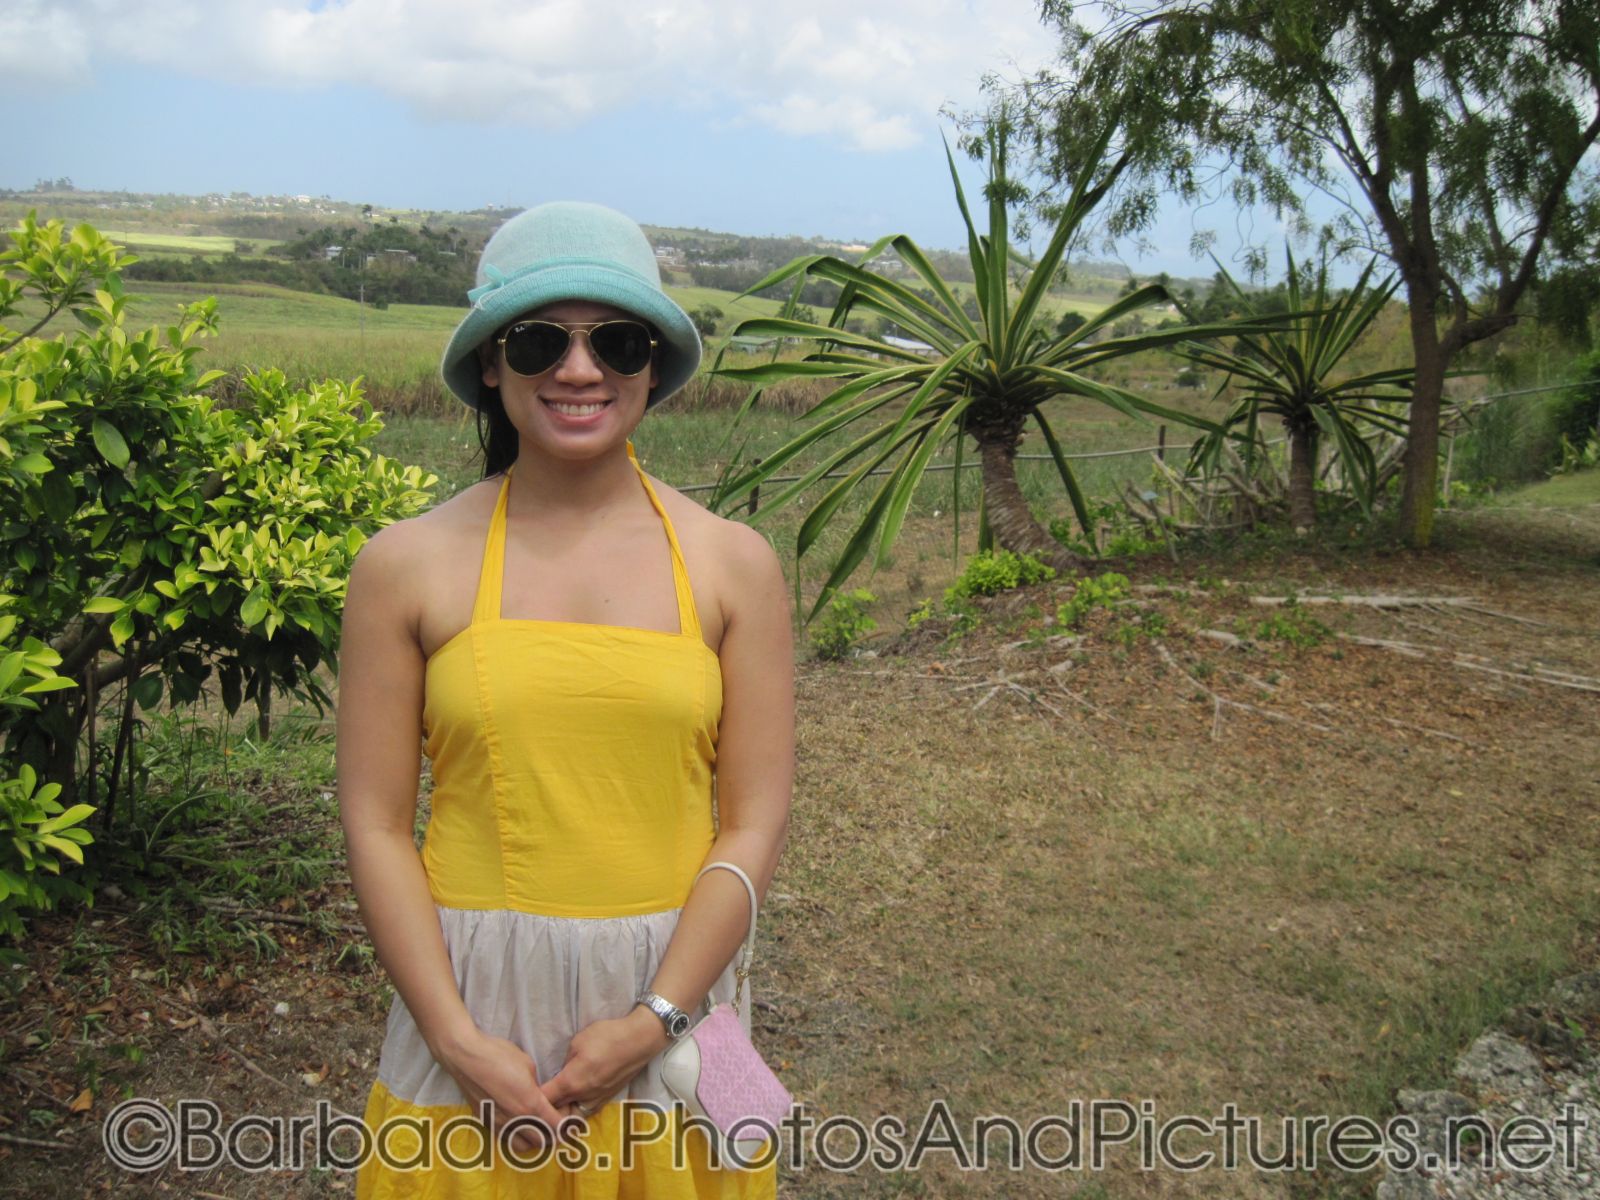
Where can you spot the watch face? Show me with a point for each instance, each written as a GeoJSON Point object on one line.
{"type": "Point", "coordinates": [678, 1025]}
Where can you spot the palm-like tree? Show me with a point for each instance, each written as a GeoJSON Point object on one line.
{"type": "Point", "coordinates": [1292, 372]}
{"type": "Point", "coordinates": [986, 377]}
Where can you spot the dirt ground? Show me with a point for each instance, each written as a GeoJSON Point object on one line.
{"type": "Point", "coordinates": [1140, 861]}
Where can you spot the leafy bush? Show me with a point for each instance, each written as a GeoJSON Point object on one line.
{"type": "Point", "coordinates": [149, 537]}
{"type": "Point", "coordinates": [1120, 535]}
{"type": "Point", "coordinates": [34, 826]}
{"type": "Point", "coordinates": [990, 572]}
{"type": "Point", "coordinates": [843, 623]}
{"type": "Point", "coordinates": [1100, 591]}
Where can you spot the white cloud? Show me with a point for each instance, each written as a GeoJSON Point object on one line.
{"type": "Point", "coordinates": [871, 78]}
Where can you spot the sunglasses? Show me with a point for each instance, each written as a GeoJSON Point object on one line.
{"type": "Point", "coordinates": [533, 347]}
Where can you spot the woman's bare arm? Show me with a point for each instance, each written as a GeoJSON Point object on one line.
{"type": "Point", "coordinates": [755, 780]}
{"type": "Point", "coordinates": [379, 764]}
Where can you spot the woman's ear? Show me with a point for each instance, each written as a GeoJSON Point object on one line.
{"type": "Point", "coordinates": [489, 362]}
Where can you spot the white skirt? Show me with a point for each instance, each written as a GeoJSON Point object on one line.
{"type": "Point", "coordinates": [535, 981]}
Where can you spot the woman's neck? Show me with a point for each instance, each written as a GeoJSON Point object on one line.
{"type": "Point", "coordinates": [572, 489]}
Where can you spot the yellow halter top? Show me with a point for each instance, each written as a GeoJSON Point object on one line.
{"type": "Point", "coordinates": [572, 762]}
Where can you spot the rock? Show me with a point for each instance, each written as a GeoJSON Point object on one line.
{"type": "Point", "coordinates": [1578, 996]}
{"type": "Point", "coordinates": [1501, 1064]}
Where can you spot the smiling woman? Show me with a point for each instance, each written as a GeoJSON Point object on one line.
{"type": "Point", "coordinates": [557, 929]}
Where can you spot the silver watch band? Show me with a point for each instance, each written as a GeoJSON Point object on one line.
{"type": "Point", "coordinates": [673, 1017]}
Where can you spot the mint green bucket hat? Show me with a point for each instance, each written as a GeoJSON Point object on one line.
{"type": "Point", "coordinates": [569, 250]}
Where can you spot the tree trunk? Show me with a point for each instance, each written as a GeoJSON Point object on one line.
{"type": "Point", "coordinates": [1303, 474]}
{"type": "Point", "coordinates": [1422, 440]}
{"type": "Point", "coordinates": [1009, 516]}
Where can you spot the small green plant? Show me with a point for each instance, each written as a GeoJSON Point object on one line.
{"type": "Point", "coordinates": [966, 615]}
{"type": "Point", "coordinates": [922, 612]}
{"type": "Point", "coordinates": [843, 624]}
{"type": "Point", "coordinates": [1100, 591]}
{"type": "Point", "coordinates": [1294, 625]}
{"type": "Point", "coordinates": [1120, 535]}
{"type": "Point", "coordinates": [1575, 457]}
{"type": "Point", "coordinates": [990, 572]}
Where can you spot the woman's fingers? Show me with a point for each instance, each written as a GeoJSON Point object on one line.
{"type": "Point", "coordinates": [499, 1071]}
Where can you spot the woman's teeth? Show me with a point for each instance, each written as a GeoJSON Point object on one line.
{"type": "Point", "coordinates": [576, 410]}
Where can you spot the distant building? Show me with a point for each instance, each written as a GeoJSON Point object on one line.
{"type": "Point", "coordinates": [909, 344]}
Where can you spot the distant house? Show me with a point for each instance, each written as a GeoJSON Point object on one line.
{"type": "Point", "coordinates": [331, 252]}
{"type": "Point", "coordinates": [909, 344]}
{"type": "Point", "coordinates": [750, 345]}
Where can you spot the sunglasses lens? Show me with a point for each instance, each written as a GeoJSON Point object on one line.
{"type": "Point", "coordinates": [624, 346]}
{"type": "Point", "coordinates": [533, 347]}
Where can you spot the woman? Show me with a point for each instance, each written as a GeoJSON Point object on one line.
{"type": "Point", "coordinates": [586, 653]}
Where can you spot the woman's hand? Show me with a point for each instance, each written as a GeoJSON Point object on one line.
{"type": "Point", "coordinates": [500, 1071]}
{"type": "Point", "coordinates": [602, 1058]}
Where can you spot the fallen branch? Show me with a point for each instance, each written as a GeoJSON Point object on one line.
{"type": "Point", "coordinates": [211, 1031]}
{"type": "Point", "coordinates": [262, 914]}
{"type": "Point", "coordinates": [1219, 701]}
{"type": "Point", "coordinates": [18, 1140]}
{"type": "Point", "coordinates": [1370, 601]}
{"type": "Point", "coordinates": [1475, 662]}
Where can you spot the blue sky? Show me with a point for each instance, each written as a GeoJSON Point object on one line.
{"type": "Point", "coordinates": [777, 119]}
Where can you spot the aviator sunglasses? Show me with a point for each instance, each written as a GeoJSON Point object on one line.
{"type": "Point", "coordinates": [533, 347]}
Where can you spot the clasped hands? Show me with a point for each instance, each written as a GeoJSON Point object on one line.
{"type": "Point", "coordinates": [601, 1058]}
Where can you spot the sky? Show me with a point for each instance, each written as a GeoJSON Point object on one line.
{"type": "Point", "coordinates": [820, 118]}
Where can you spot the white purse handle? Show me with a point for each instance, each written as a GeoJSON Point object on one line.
{"type": "Point", "coordinates": [742, 970]}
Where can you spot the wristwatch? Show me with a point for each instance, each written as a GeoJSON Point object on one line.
{"type": "Point", "coordinates": [673, 1017]}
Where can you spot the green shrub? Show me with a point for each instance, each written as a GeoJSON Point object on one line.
{"type": "Point", "coordinates": [1120, 535]}
{"type": "Point", "coordinates": [990, 572]}
{"type": "Point", "coordinates": [842, 624]}
{"type": "Point", "coordinates": [1101, 591]}
{"type": "Point", "coordinates": [922, 612]}
{"type": "Point", "coordinates": [150, 535]}
{"type": "Point", "coordinates": [1294, 625]}
{"type": "Point", "coordinates": [34, 827]}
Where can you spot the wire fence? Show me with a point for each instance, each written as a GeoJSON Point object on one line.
{"type": "Point", "coordinates": [1161, 449]}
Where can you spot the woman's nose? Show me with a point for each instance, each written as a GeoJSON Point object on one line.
{"type": "Point", "coordinates": [579, 361]}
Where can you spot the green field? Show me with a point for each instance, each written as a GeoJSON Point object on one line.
{"type": "Point", "coordinates": [180, 245]}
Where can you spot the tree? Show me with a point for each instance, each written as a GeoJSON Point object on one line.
{"type": "Point", "coordinates": [986, 378]}
{"type": "Point", "coordinates": [705, 319]}
{"type": "Point", "coordinates": [149, 538]}
{"type": "Point", "coordinates": [1294, 374]}
{"type": "Point", "coordinates": [1457, 135]}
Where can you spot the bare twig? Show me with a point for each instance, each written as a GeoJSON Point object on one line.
{"type": "Point", "coordinates": [1474, 662]}
{"type": "Point", "coordinates": [1219, 701]}
{"type": "Point", "coordinates": [211, 1031]}
{"type": "Point", "coordinates": [17, 1140]}
{"type": "Point", "coordinates": [262, 914]}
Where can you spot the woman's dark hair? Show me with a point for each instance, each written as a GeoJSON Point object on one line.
{"type": "Point", "coordinates": [497, 436]}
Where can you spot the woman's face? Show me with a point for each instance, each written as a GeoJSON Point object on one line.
{"type": "Point", "coordinates": [579, 406]}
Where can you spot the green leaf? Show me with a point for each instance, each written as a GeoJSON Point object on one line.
{"type": "Point", "coordinates": [63, 846]}
{"type": "Point", "coordinates": [255, 607]}
{"type": "Point", "coordinates": [71, 817]}
{"type": "Point", "coordinates": [105, 604]}
{"type": "Point", "coordinates": [108, 440]}
{"type": "Point", "coordinates": [147, 692]}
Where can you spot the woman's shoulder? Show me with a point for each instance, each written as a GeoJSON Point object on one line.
{"type": "Point", "coordinates": [739, 556]}
{"type": "Point", "coordinates": [396, 548]}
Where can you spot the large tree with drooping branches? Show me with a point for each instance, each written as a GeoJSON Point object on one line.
{"type": "Point", "coordinates": [1457, 136]}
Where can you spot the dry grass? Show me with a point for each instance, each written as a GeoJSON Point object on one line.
{"type": "Point", "coordinates": [1082, 894]}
